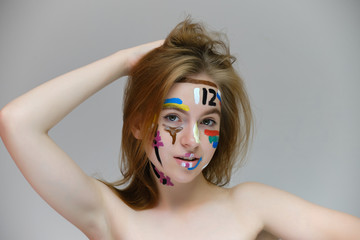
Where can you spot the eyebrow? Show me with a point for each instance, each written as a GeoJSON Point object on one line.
{"type": "Point", "coordinates": [208, 112]}
{"type": "Point", "coordinates": [173, 107]}
{"type": "Point", "coordinates": [198, 81]}
{"type": "Point", "coordinates": [211, 111]}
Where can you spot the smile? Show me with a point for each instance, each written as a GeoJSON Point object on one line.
{"type": "Point", "coordinates": [188, 162]}
{"type": "Point", "coordinates": [187, 158]}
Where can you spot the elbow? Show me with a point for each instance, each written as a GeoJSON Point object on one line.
{"type": "Point", "coordinates": [9, 120]}
{"type": "Point", "coordinates": [4, 120]}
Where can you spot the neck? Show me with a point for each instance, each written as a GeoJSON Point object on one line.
{"type": "Point", "coordinates": [184, 195]}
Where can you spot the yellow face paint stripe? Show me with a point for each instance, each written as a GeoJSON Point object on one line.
{"type": "Point", "coordinates": [181, 106]}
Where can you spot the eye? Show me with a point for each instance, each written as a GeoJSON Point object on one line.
{"type": "Point", "coordinates": [172, 117]}
{"type": "Point", "coordinates": [208, 122]}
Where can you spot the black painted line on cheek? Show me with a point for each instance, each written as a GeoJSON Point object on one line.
{"type": "Point", "coordinates": [157, 155]}
{"type": "Point", "coordinates": [156, 173]}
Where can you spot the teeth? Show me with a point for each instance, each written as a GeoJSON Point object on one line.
{"type": "Point", "coordinates": [189, 156]}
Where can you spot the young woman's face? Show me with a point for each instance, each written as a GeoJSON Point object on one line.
{"type": "Point", "coordinates": [188, 131]}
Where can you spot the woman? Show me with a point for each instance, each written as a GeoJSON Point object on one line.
{"type": "Point", "coordinates": [186, 119]}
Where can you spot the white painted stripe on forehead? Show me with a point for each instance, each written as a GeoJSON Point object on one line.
{"type": "Point", "coordinates": [197, 95]}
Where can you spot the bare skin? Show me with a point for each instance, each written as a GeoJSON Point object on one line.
{"type": "Point", "coordinates": [193, 210]}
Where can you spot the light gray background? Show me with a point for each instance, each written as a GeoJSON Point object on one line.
{"type": "Point", "coordinates": [300, 61]}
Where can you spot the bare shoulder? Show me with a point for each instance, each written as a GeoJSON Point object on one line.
{"type": "Point", "coordinates": [248, 192]}
{"type": "Point", "coordinates": [247, 187]}
{"type": "Point", "coordinates": [248, 196]}
{"type": "Point", "coordinates": [263, 196]}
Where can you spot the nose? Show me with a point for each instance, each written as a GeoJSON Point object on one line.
{"type": "Point", "coordinates": [190, 138]}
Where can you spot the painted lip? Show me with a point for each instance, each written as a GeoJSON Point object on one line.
{"type": "Point", "coordinates": [187, 163]}
{"type": "Point", "coordinates": [188, 160]}
{"type": "Point", "coordinates": [187, 157]}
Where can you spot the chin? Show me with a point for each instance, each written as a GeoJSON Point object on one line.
{"type": "Point", "coordinates": [186, 176]}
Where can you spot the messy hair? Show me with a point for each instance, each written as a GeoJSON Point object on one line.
{"type": "Point", "coordinates": [188, 50]}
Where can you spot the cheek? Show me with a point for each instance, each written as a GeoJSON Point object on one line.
{"type": "Point", "coordinates": [213, 137]}
{"type": "Point", "coordinates": [157, 143]}
{"type": "Point", "coordinates": [162, 143]}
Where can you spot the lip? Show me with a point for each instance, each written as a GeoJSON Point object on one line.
{"type": "Point", "coordinates": [185, 163]}
{"type": "Point", "coordinates": [187, 157]}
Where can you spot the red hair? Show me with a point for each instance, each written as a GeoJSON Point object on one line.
{"type": "Point", "coordinates": [188, 50]}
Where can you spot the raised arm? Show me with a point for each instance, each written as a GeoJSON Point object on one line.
{"type": "Point", "coordinates": [290, 217]}
{"type": "Point", "coordinates": [24, 126]}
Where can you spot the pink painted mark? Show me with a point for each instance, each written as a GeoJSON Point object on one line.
{"type": "Point", "coordinates": [165, 179]}
{"type": "Point", "coordinates": [157, 140]}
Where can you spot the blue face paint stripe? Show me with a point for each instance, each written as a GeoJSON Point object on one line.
{"type": "Point", "coordinates": [197, 164]}
{"type": "Point", "coordinates": [173, 100]}
{"type": "Point", "coordinates": [218, 96]}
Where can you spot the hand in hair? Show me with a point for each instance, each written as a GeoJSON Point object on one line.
{"type": "Point", "coordinates": [136, 53]}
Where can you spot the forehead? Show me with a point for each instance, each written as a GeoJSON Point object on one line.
{"type": "Point", "coordinates": [185, 89]}
{"type": "Point", "coordinates": [197, 81]}
{"type": "Point", "coordinates": [195, 93]}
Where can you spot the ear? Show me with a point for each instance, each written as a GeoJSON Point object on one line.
{"type": "Point", "coordinates": [136, 129]}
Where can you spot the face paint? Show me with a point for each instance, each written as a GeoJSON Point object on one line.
{"type": "Point", "coordinates": [204, 96]}
{"type": "Point", "coordinates": [173, 131]}
{"type": "Point", "coordinates": [157, 140]}
{"type": "Point", "coordinates": [186, 106]}
{"type": "Point", "coordinates": [196, 133]}
{"type": "Point", "coordinates": [218, 95]}
{"type": "Point", "coordinates": [187, 164]}
{"type": "Point", "coordinates": [212, 97]}
{"type": "Point", "coordinates": [205, 166]}
{"type": "Point", "coordinates": [191, 163]}
{"type": "Point", "coordinates": [197, 164]}
{"type": "Point", "coordinates": [175, 102]}
{"type": "Point", "coordinates": [165, 180]}
{"type": "Point", "coordinates": [197, 95]}
{"type": "Point", "coordinates": [212, 100]}
{"type": "Point", "coordinates": [213, 137]}
{"type": "Point", "coordinates": [156, 144]}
